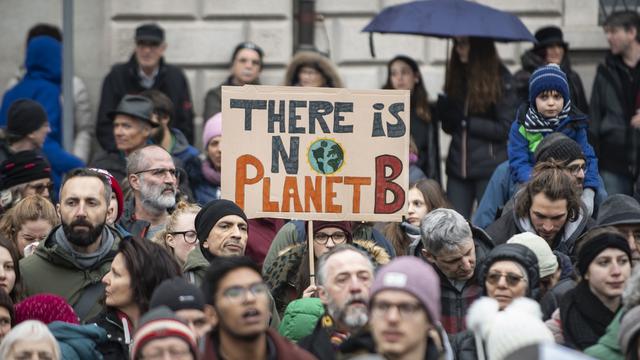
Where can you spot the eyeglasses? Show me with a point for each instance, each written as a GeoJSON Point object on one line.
{"type": "Point", "coordinates": [173, 354]}
{"type": "Point", "coordinates": [512, 279]}
{"type": "Point", "coordinates": [338, 237]}
{"type": "Point", "coordinates": [405, 310]}
{"type": "Point", "coordinates": [40, 188]}
{"type": "Point", "coordinates": [160, 172]}
{"type": "Point", "coordinates": [575, 169]}
{"type": "Point", "coordinates": [239, 293]}
{"type": "Point", "coordinates": [190, 236]}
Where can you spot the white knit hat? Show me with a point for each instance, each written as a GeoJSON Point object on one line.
{"type": "Point", "coordinates": [503, 332]}
{"type": "Point", "coordinates": [547, 261]}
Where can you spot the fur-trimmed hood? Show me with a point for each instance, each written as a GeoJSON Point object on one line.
{"type": "Point", "coordinates": [317, 61]}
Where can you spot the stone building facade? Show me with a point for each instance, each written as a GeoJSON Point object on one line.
{"type": "Point", "coordinates": [201, 35]}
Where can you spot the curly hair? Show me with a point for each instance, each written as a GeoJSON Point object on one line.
{"type": "Point", "coordinates": [182, 208]}
{"type": "Point", "coordinates": [551, 179]}
{"type": "Point", "coordinates": [479, 80]}
{"type": "Point", "coordinates": [31, 208]}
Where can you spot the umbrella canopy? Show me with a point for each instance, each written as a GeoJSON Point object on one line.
{"type": "Point", "coordinates": [450, 18]}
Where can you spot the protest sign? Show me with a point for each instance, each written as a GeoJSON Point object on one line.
{"type": "Point", "coordinates": [316, 153]}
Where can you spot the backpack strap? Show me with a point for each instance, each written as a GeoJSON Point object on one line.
{"type": "Point", "coordinates": [88, 298]}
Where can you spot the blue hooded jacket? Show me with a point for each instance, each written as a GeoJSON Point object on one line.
{"type": "Point", "coordinates": [43, 83]}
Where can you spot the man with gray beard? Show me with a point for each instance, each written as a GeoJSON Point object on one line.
{"type": "Point", "coordinates": [344, 277]}
{"type": "Point", "coordinates": [154, 182]}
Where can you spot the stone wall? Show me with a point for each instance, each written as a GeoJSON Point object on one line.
{"type": "Point", "coordinates": [201, 35]}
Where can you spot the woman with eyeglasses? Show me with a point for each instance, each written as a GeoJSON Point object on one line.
{"type": "Point", "coordinates": [29, 222]}
{"type": "Point", "coordinates": [510, 271]}
{"type": "Point", "coordinates": [312, 69]}
{"type": "Point", "coordinates": [23, 174]}
{"type": "Point", "coordinates": [179, 236]}
{"type": "Point", "coordinates": [604, 266]}
{"type": "Point", "coordinates": [137, 269]}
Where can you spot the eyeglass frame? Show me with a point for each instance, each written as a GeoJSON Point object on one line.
{"type": "Point", "coordinates": [155, 172]}
{"type": "Point", "coordinates": [575, 169]}
{"type": "Point", "coordinates": [316, 240]}
{"type": "Point", "coordinates": [507, 277]}
{"type": "Point", "coordinates": [242, 296]}
{"type": "Point", "coordinates": [405, 310]}
{"type": "Point", "coordinates": [184, 235]}
{"type": "Point", "coordinates": [39, 188]}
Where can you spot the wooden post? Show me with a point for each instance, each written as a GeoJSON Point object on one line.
{"type": "Point", "coordinates": [312, 265]}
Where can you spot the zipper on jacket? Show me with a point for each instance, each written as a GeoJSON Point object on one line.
{"type": "Point", "coordinates": [463, 162]}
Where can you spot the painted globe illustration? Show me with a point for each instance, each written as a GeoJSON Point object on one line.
{"type": "Point", "coordinates": [325, 156]}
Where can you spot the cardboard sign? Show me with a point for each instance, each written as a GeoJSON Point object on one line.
{"type": "Point", "coordinates": [316, 154]}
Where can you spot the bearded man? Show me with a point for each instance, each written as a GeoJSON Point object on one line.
{"type": "Point", "coordinates": [78, 253]}
{"type": "Point", "coordinates": [344, 277]}
{"type": "Point", "coordinates": [154, 182]}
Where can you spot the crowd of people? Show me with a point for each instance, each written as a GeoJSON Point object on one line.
{"type": "Point", "coordinates": [128, 252]}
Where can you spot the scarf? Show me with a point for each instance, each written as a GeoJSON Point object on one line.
{"type": "Point", "coordinates": [584, 317]}
{"type": "Point", "coordinates": [534, 122]}
{"type": "Point", "coordinates": [209, 173]}
{"type": "Point", "coordinates": [86, 261]}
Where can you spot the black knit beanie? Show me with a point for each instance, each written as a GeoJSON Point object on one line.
{"type": "Point", "coordinates": [177, 294]}
{"type": "Point", "coordinates": [213, 211]}
{"type": "Point", "coordinates": [24, 117]}
{"type": "Point", "coordinates": [23, 167]}
{"type": "Point", "coordinates": [595, 246]}
{"type": "Point", "coordinates": [560, 147]}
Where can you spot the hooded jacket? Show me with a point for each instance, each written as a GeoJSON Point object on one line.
{"type": "Point", "coordinates": [43, 83]}
{"type": "Point", "coordinates": [531, 61]}
{"type": "Point", "coordinates": [510, 224]}
{"type": "Point", "coordinates": [302, 58]}
{"type": "Point", "coordinates": [78, 342]}
{"type": "Point", "coordinates": [522, 145]}
{"type": "Point", "coordinates": [616, 142]}
{"type": "Point", "coordinates": [189, 156]}
{"type": "Point", "coordinates": [123, 79]}
{"type": "Point", "coordinates": [463, 344]}
{"type": "Point", "coordinates": [52, 269]}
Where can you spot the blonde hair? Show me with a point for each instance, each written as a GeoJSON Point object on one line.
{"type": "Point", "coordinates": [182, 208]}
{"type": "Point", "coordinates": [31, 208]}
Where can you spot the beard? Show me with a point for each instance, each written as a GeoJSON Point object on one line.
{"type": "Point", "coordinates": [153, 196]}
{"type": "Point", "coordinates": [353, 317]}
{"type": "Point", "coordinates": [82, 238]}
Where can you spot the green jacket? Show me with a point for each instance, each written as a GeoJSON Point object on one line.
{"type": "Point", "coordinates": [51, 269]}
{"type": "Point", "coordinates": [195, 267]}
{"type": "Point", "coordinates": [607, 347]}
{"type": "Point", "coordinates": [300, 318]}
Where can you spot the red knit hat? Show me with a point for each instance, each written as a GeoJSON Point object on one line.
{"type": "Point", "coordinates": [115, 187]}
{"type": "Point", "coordinates": [161, 323]}
{"type": "Point", "coordinates": [46, 308]}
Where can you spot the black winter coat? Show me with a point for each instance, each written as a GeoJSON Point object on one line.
{"type": "Point", "coordinates": [123, 79]}
{"type": "Point", "coordinates": [427, 139]}
{"type": "Point", "coordinates": [478, 141]}
{"type": "Point", "coordinates": [616, 143]}
{"type": "Point", "coordinates": [117, 345]}
{"type": "Point", "coordinates": [531, 61]}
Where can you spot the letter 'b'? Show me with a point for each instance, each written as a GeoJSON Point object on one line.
{"type": "Point", "coordinates": [384, 184]}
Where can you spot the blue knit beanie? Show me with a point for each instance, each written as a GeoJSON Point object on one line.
{"type": "Point", "coordinates": [548, 77]}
